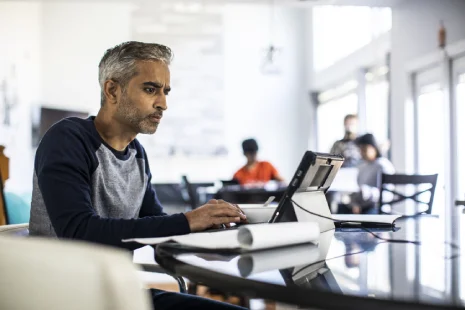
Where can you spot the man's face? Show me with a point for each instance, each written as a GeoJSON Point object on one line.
{"type": "Point", "coordinates": [351, 125]}
{"type": "Point", "coordinates": [144, 99]}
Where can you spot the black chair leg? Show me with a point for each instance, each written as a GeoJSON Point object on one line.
{"type": "Point", "coordinates": [192, 288]}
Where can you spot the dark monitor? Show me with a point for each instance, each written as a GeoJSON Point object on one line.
{"type": "Point", "coordinates": [315, 173]}
{"type": "Point", "coordinates": [45, 119]}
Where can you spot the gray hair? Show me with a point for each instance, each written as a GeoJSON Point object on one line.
{"type": "Point", "coordinates": [119, 62]}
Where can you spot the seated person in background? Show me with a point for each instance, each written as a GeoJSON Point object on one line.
{"type": "Point", "coordinates": [255, 172]}
{"type": "Point", "coordinates": [347, 147]}
{"type": "Point", "coordinates": [92, 179]}
{"type": "Point", "coordinates": [369, 173]}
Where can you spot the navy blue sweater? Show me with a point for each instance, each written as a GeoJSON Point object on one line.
{"type": "Point", "coordinates": [84, 189]}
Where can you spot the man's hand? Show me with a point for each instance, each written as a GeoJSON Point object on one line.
{"type": "Point", "coordinates": [214, 214]}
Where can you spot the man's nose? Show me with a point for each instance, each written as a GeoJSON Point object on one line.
{"type": "Point", "coordinates": [161, 103]}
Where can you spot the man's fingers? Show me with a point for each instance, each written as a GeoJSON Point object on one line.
{"type": "Point", "coordinates": [225, 220]}
{"type": "Point", "coordinates": [226, 210]}
{"type": "Point", "coordinates": [212, 201]}
{"type": "Point", "coordinates": [221, 201]}
{"type": "Point", "coordinates": [237, 206]}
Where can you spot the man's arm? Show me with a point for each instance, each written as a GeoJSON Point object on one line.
{"type": "Point", "coordinates": [63, 168]}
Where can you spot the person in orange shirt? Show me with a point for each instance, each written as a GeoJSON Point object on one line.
{"type": "Point", "coordinates": [254, 171]}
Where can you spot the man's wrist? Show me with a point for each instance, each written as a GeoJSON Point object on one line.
{"type": "Point", "coordinates": [189, 219]}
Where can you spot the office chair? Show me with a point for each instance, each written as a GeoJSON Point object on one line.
{"type": "Point", "coordinates": [390, 180]}
{"type": "Point", "coordinates": [52, 274]}
{"type": "Point", "coordinates": [22, 230]}
{"type": "Point", "coordinates": [3, 210]}
{"type": "Point", "coordinates": [189, 193]}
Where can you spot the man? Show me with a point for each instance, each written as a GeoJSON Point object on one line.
{"type": "Point", "coordinates": [91, 176]}
{"type": "Point", "coordinates": [347, 147]}
{"type": "Point", "coordinates": [254, 171]}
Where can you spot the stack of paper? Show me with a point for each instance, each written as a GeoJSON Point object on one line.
{"type": "Point", "coordinates": [248, 237]}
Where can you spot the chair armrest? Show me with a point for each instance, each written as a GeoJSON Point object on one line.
{"type": "Point", "coordinates": [158, 269]}
{"type": "Point", "coordinates": [18, 230]}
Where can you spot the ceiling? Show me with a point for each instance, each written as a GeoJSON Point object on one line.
{"type": "Point", "coordinates": [300, 3]}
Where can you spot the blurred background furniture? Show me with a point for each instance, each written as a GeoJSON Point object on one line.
{"type": "Point", "coordinates": [3, 212]}
{"type": "Point", "coordinates": [4, 173]}
{"type": "Point", "coordinates": [189, 193]}
{"type": "Point", "coordinates": [423, 184]}
{"type": "Point", "coordinates": [239, 194]}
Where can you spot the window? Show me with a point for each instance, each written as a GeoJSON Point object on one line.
{"type": "Point", "coordinates": [338, 31]}
{"type": "Point", "coordinates": [377, 117]}
{"type": "Point", "coordinates": [431, 141]}
{"type": "Point", "coordinates": [460, 99]}
{"type": "Point", "coordinates": [460, 95]}
{"type": "Point", "coordinates": [330, 116]}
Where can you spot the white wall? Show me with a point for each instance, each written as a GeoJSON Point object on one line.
{"type": "Point", "coordinates": [75, 35]}
{"type": "Point", "coordinates": [20, 26]}
{"type": "Point", "coordinates": [54, 49]}
{"type": "Point", "coordinates": [414, 33]}
{"type": "Point", "coordinates": [272, 108]}
{"type": "Point", "coordinates": [65, 41]}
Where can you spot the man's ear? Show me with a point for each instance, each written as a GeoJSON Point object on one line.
{"type": "Point", "coordinates": [110, 89]}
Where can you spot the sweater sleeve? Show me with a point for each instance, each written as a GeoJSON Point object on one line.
{"type": "Point", "coordinates": [64, 164]}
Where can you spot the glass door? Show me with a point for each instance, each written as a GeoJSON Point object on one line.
{"type": "Point", "coordinates": [459, 136]}
{"type": "Point", "coordinates": [430, 142]}
{"type": "Point", "coordinates": [431, 132]}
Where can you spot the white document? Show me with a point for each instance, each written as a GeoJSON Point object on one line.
{"type": "Point", "coordinates": [282, 258]}
{"type": "Point", "coordinates": [247, 237]}
{"type": "Point", "coordinates": [345, 181]}
{"type": "Point", "coordinates": [364, 218]}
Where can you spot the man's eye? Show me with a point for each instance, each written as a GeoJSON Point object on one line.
{"type": "Point", "coordinates": [150, 90]}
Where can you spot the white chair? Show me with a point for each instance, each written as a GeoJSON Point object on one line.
{"type": "Point", "coordinates": [37, 273]}
{"type": "Point", "coordinates": [19, 230]}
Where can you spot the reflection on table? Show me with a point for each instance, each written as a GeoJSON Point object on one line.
{"type": "Point", "coordinates": [351, 263]}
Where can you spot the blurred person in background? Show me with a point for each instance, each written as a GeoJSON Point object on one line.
{"type": "Point", "coordinates": [255, 172]}
{"type": "Point", "coordinates": [369, 173]}
{"type": "Point", "coordinates": [346, 146]}
{"type": "Point", "coordinates": [92, 180]}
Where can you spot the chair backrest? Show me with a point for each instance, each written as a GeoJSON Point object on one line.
{"type": "Point", "coordinates": [189, 192]}
{"type": "Point", "coordinates": [390, 180]}
{"type": "Point", "coordinates": [3, 210]}
{"type": "Point", "coordinates": [51, 274]}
